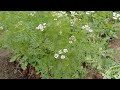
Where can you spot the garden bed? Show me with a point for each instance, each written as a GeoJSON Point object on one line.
{"type": "Point", "coordinates": [58, 45]}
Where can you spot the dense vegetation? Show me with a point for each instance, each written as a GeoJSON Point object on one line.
{"type": "Point", "coordinates": [57, 43]}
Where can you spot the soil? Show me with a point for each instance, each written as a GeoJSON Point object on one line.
{"type": "Point", "coordinates": [92, 73]}
{"type": "Point", "coordinates": [7, 69]}
{"type": "Point", "coordinates": [115, 44]}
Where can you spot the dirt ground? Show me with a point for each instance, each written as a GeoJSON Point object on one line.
{"type": "Point", "coordinates": [91, 73]}
{"type": "Point", "coordinates": [115, 44]}
{"type": "Point", "coordinates": [7, 69]}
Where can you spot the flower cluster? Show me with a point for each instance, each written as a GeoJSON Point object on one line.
{"type": "Point", "coordinates": [32, 14]}
{"type": "Point", "coordinates": [41, 26]}
{"type": "Point", "coordinates": [60, 54]}
{"type": "Point", "coordinates": [18, 24]}
{"type": "Point", "coordinates": [89, 12]}
{"type": "Point", "coordinates": [59, 14]}
{"type": "Point", "coordinates": [72, 21]}
{"type": "Point", "coordinates": [86, 27]}
{"type": "Point", "coordinates": [116, 16]}
{"type": "Point", "coordinates": [73, 13]}
{"type": "Point", "coordinates": [72, 39]}
{"type": "Point", "coordinates": [1, 28]}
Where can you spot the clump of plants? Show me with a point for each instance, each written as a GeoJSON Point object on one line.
{"type": "Point", "coordinates": [57, 43]}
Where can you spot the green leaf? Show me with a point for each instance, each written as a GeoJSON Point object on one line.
{"type": "Point", "coordinates": [24, 65]}
{"type": "Point", "coordinates": [15, 57]}
{"type": "Point", "coordinates": [115, 36]}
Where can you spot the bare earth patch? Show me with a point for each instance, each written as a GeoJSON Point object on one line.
{"type": "Point", "coordinates": [115, 44]}
{"type": "Point", "coordinates": [7, 69]}
{"type": "Point", "coordinates": [92, 73]}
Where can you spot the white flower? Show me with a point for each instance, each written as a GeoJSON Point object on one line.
{"type": "Point", "coordinates": [32, 14]}
{"type": "Point", "coordinates": [41, 27]}
{"type": "Point", "coordinates": [65, 50]}
{"type": "Point", "coordinates": [86, 27]}
{"type": "Point", "coordinates": [44, 24]}
{"type": "Point", "coordinates": [59, 14]}
{"type": "Point", "coordinates": [62, 12]}
{"type": "Point", "coordinates": [89, 12]}
{"type": "Point", "coordinates": [92, 11]}
{"type": "Point", "coordinates": [114, 14]}
{"type": "Point", "coordinates": [55, 18]}
{"type": "Point", "coordinates": [118, 15]}
{"type": "Point", "coordinates": [115, 18]}
{"type": "Point", "coordinates": [70, 42]}
{"type": "Point", "coordinates": [90, 30]}
{"type": "Point", "coordinates": [73, 13]}
{"type": "Point", "coordinates": [56, 56]}
{"type": "Point", "coordinates": [83, 27]}
{"type": "Point", "coordinates": [71, 21]}
{"type": "Point", "coordinates": [1, 27]}
{"type": "Point", "coordinates": [72, 38]}
{"type": "Point", "coordinates": [37, 27]}
{"type": "Point", "coordinates": [62, 56]}
{"type": "Point", "coordinates": [60, 52]}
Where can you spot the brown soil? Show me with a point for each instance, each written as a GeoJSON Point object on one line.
{"type": "Point", "coordinates": [30, 73]}
{"type": "Point", "coordinates": [115, 44]}
{"type": "Point", "coordinates": [92, 73]}
{"type": "Point", "coordinates": [7, 69]}
{"type": "Point", "coordinates": [10, 70]}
